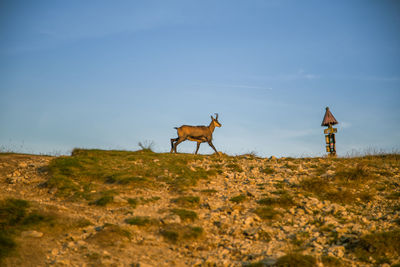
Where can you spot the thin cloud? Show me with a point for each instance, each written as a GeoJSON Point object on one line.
{"type": "Point", "coordinates": [299, 75]}
{"type": "Point", "coordinates": [240, 86]}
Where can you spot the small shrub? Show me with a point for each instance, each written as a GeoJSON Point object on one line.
{"type": "Point", "coordinates": [170, 235]}
{"type": "Point", "coordinates": [185, 214]}
{"type": "Point", "coordinates": [238, 199]}
{"type": "Point", "coordinates": [146, 146]}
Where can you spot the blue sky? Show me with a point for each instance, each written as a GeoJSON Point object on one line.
{"type": "Point", "coordinates": [110, 74]}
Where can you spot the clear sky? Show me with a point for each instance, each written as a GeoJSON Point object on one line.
{"type": "Point", "coordinates": [109, 74]}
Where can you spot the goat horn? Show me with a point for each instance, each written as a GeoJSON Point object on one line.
{"type": "Point", "coordinates": [216, 116]}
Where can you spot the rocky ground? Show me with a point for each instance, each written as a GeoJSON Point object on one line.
{"type": "Point", "coordinates": [251, 212]}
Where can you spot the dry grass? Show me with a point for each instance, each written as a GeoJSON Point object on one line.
{"type": "Point", "coordinates": [380, 246]}
{"type": "Point", "coordinates": [18, 215]}
{"type": "Point", "coordinates": [110, 235]}
{"type": "Point", "coordinates": [346, 185]}
{"type": "Point", "coordinates": [296, 259]}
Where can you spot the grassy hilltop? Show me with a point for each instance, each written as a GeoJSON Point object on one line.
{"type": "Point", "coordinates": [142, 208]}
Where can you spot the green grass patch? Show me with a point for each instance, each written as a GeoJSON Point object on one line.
{"type": "Point", "coordinates": [284, 200]}
{"type": "Point", "coordinates": [238, 199]}
{"type": "Point", "coordinates": [185, 215]}
{"type": "Point", "coordinates": [140, 221]}
{"type": "Point", "coordinates": [208, 191]}
{"type": "Point", "coordinates": [105, 198]}
{"type": "Point", "coordinates": [75, 177]}
{"type": "Point", "coordinates": [187, 201]}
{"type": "Point", "coordinates": [175, 232]}
{"type": "Point", "coordinates": [133, 202]}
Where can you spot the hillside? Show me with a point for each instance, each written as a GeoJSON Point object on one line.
{"type": "Point", "coordinates": [120, 208]}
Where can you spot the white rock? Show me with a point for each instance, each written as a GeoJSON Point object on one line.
{"type": "Point", "coordinates": [31, 233]}
{"type": "Point", "coordinates": [118, 199]}
{"type": "Point", "coordinates": [172, 218]}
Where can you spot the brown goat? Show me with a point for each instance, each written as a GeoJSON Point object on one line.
{"type": "Point", "coordinates": [199, 134]}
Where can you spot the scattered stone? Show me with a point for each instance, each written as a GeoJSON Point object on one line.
{"type": "Point", "coordinates": [118, 199]}
{"type": "Point", "coordinates": [32, 233]}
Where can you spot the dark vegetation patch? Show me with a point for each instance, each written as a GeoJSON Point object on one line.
{"type": "Point", "coordinates": [393, 196]}
{"type": "Point", "coordinates": [296, 259]}
{"type": "Point", "coordinates": [105, 198]}
{"type": "Point", "coordinates": [330, 261]}
{"type": "Point", "coordinates": [76, 176]}
{"type": "Point", "coordinates": [209, 191]}
{"type": "Point", "coordinates": [267, 170]}
{"type": "Point", "coordinates": [134, 202]}
{"type": "Point", "coordinates": [284, 200]}
{"type": "Point", "coordinates": [176, 232]}
{"type": "Point", "coordinates": [17, 215]}
{"type": "Point", "coordinates": [238, 199]}
{"type": "Point", "coordinates": [381, 246]}
{"type": "Point", "coordinates": [141, 221]}
{"type": "Point", "coordinates": [266, 212]}
{"type": "Point", "coordinates": [187, 201]}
